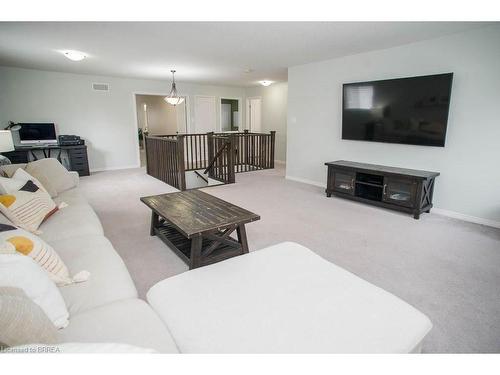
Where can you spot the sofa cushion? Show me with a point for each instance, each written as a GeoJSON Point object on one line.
{"type": "Point", "coordinates": [129, 321]}
{"type": "Point", "coordinates": [284, 299]}
{"type": "Point", "coordinates": [109, 278]}
{"type": "Point", "coordinates": [71, 221]}
{"type": "Point", "coordinates": [71, 197]}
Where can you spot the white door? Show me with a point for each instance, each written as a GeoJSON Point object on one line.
{"type": "Point", "coordinates": [204, 114]}
{"type": "Point", "coordinates": [254, 117]}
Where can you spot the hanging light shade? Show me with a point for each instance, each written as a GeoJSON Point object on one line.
{"type": "Point", "coordinates": [173, 98]}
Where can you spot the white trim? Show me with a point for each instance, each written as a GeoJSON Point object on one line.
{"type": "Point", "coordinates": [92, 170]}
{"type": "Point", "coordinates": [464, 217]}
{"type": "Point", "coordinates": [240, 114]}
{"type": "Point", "coordinates": [135, 124]}
{"type": "Point", "coordinates": [279, 162]}
{"type": "Point", "coordinates": [435, 210]}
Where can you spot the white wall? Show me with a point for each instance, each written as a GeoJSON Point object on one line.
{"type": "Point", "coordinates": [274, 113]}
{"type": "Point", "coordinates": [106, 120]}
{"type": "Point", "coordinates": [469, 164]}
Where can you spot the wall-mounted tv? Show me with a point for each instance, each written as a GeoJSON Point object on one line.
{"type": "Point", "coordinates": [405, 110]}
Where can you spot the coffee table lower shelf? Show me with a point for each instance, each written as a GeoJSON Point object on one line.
{"type": "Point", "coordinates": [182, 246]}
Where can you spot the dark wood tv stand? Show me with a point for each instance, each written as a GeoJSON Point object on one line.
{"type": "Point", "coordinates": [406, 190]}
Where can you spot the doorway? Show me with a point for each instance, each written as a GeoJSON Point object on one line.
{"type": "Point", "coordinates": [230, 114]}
{"type": "Point", "coordinates": [156, 117]}
{"type": "Point", "coordinates": [254, 114]}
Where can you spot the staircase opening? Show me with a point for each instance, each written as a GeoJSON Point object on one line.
{"type": "Point", "coordinates": [191, 161]}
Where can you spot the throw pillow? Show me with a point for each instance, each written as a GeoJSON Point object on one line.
{"type": "Point", "coordinates": [22, 321]}
{"type": "Point", "coordinates": [8, 184]}
{"type": "Point", "coordinates": [22, 272]}
{"type": "Point", "coordinates": [53, 172]}
{"type": "Point", "coordinates": [27, 206]}
{"type": "Point", "coordinates": [28, 244]}
{"type": "Point", "coordinates": [21, 174]}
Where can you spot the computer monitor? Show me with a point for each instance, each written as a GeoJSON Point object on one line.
{"type": "Point", "coordinates": [37, 133]}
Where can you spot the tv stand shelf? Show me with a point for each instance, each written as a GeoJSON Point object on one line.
{"type": "Point", "coordinates": [406, 190]}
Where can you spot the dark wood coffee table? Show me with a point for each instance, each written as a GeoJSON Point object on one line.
{"type": "Point", "coordinates": [197, 226]}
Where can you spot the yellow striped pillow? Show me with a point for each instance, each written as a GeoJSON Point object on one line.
{"type": "Point", "coordinates": [25, 243]}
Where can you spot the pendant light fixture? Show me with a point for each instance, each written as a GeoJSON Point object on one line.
{"type": "Point", "coordinates": [173, 98]}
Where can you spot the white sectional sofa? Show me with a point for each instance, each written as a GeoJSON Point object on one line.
{"type": "Point", "coordinates": [282, 299]}
{"type": "Point", "coordinates": [106, 307]}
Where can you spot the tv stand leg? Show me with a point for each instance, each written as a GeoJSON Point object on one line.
{"type": "Point", "coordinates": [328, 194]}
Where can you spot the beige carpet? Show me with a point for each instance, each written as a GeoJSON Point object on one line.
{"type": "Point", "coordinates": [448, 269]}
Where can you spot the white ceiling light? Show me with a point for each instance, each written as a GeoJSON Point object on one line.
{"type": "Point", "coordinates": [173, 98]}
{"type": "Point", "coordinates": [265, 83]}
{"type": "Point", "coordinates": [74, 55]}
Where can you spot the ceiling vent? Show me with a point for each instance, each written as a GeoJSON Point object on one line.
{"type": "Point", "coordinates": [100, 87]}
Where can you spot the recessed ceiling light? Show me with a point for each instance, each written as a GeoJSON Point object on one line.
{"type": "Point", "coordinates": [265, 83]}
{"type": "Point", "coordinates": [74, 55]}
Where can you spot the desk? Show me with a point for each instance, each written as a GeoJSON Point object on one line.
{"type": "Point", "coordinates": [77, 156]}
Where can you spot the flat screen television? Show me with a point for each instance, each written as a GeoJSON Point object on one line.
{"type": "Point", "coordinates": [405, 110]}
{"type": "Point", "coordinates": [37, 133]}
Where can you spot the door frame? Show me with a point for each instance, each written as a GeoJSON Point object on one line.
{"type": "Point", "coordinates": [248, 112]}
{"type": "Point", "coordinates": [135, 124]}
{"type": "Point", "coordinates": [194, 111]}
{"type": "Point", "coordinates": [240, 110]}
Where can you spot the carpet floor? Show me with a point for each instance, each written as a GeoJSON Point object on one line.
{"type": "Point", "coordinates": [446, 268]}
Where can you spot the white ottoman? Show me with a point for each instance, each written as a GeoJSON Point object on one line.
{"type": "Point", "coordinates": [284, 299]}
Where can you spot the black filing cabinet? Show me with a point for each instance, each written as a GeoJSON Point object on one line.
{"type": "Point", "coordinates": [78, 160]}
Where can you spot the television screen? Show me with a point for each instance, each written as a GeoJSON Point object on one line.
{"type": "Point", "coordinates": [37, 132]}
{"type": "Point", "coordinates": [405, 110]}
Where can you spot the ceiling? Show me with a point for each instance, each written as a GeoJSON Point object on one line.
{"type": "Point", "coordinates": [203, 52]}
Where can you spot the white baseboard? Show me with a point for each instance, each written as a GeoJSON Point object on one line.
{"type": "Point", "coordinates": [464, 217]}
{"type": "Point", "coordinates": [92, 170]}
{"type": "Point", "coordinates": [306, 181]}
{"type": "Point", "coordinates": [438, 211]}
{"type": "Point", "coordinates": [279, 162]}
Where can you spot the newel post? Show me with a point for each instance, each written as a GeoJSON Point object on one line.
{"type": "Point", "coordinates": [148, 169]}
{"type": "Point", "coordinates": [273, 139]}
{"type": "Point", "coordinates": [210, 153]}
{"type": "Point", "coordinates": [181, 165]}
{"type": "Point", "coordinates": [246, 158]}
{"type": "Point", "coordinates": [230, 161]}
